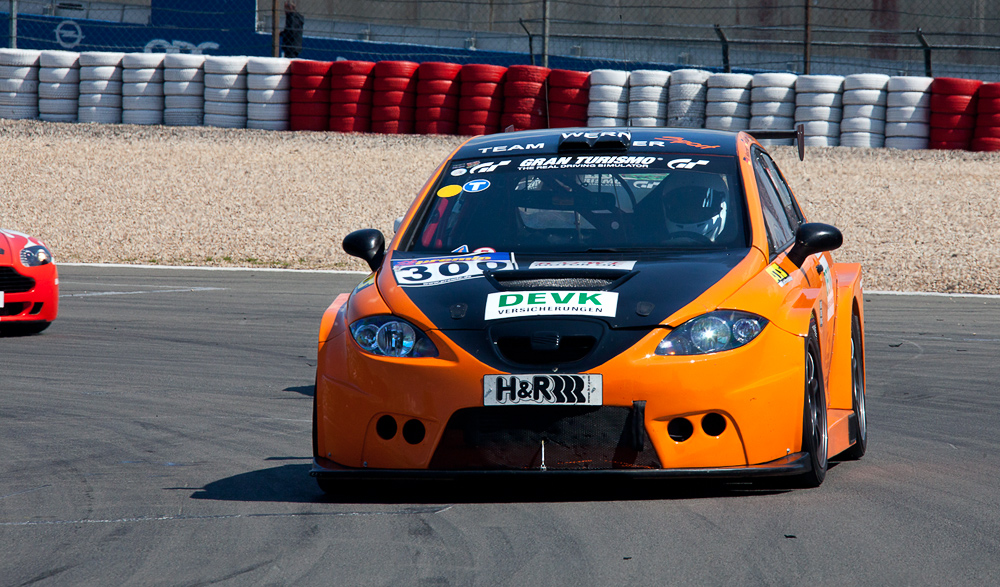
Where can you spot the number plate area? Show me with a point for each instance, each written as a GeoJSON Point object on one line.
{"type": "Point", "coordinates": [543, 390]}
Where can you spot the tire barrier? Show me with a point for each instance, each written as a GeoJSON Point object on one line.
{"type": "Point", "coordinates": [908, 112]}
{"type": "Point", "coordinates": [524, 104]}
{"type": "Point", "coordinates": [648, 95]}
{"type": "Point", "coordinates": [268, 93]}
{"type": "Point", "coordinates": [351, 86]}
{"type": "Point", "coordinates": [569, 95]}
{"type": "Point", "coordinates": [819, 108]}
{"type": "Point", "coordinates": [480, 103]}
{"type": "Point", "coordinates": [58, 86]}
{"type": "Point", "coordinates": [953, 112]}
{"type": "Point", "coordinates": [394, 98]}
{"type": "Point", "coordinates": [100, 98]}
{"type": "Point", "coordinates": [309, 95]}
{"type": "Point", "coordinates": [438, 94]}
{"type": "Point", "coordinates": [727, 104]}
{"type": "Point", "coordinates": [608, 105]}
{"type": "Point", "coordinates": [772, 104]}
{"type": "Point", "coordinates": [987, 133]}
{"type": "Point", "coordinates": [19, 83]}
{"type": "Point", "coordinates": [688, 98]}
{"type": "Point", "coordinates": [861, 110]}
{"type": "Point", "coordinates": [183, 89]}
{"type": "Point", "coordinates": [142, 88]}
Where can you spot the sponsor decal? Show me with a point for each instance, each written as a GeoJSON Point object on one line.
{"type": "Point", "coordinates": [830, 293]}
{"type": "Point", "coordinates": [485, 250]}
{"type": "Point", "coordinates": [518, 304]}
{"type": "Point", "coordinates": [441, 270]}
{"type": "Point", "coordinates": [625, 265]}
{"type": "Point", "coordinates": [597, 134]}
{"type": "Point", "coordinates": [505, 390]}
{"type": "Point", "coordinates": [365, 283]}
{"type": "Point", "coordinates": [458, 172]}
{"type": "Point", "coordinates": [664, 141]}
{"type": "Point", "coordinates": [778, 274]}
{"type": "Point", "coordinates": [477, 167]}
{"type": "Point", "coordinates": [449, 191]}
{"type": "Point", "coordinates": [1, 299]}
{"type": "Point", "coordinates": [588, 161]}
{"type": "Point", "coordinates": [508, 148]}
{"type": "Point", "coordinates": [462, 249]}
{"type": "Point", "coordinates": [477, 185]}
{"type": "Point", "coordinates": [685, 163]}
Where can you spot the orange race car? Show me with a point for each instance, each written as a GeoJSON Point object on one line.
{"type": "Point", "coordinates": [638, 301]}
{"type": "Point", "coordinates": [29, 284]}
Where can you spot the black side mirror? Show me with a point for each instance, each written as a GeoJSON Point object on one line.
{"type": "Point", "coordinates": [814, 237]}
{"type": "Point", "coordinates": [368, 244]}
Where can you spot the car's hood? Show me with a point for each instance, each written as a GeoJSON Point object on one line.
{"type": "Point", "coordinates": [470, 292]}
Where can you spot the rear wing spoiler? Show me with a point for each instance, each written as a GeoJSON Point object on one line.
{"type": "Point", "coordinates": [798, 133]}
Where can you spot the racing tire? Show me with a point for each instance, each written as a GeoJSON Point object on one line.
{"type": "Point", "coordinates": [940, 85]}
{"type": "Point", "coordinates": [866, 81]}
{"type": "Point", "coordinates": [566, 78]}
{"type": "Point", "coordinates": [56, 58]}
{"type": "Point", "coordinates": [100, 58]}
{"type": "Point", "coordinates": [777, 80]}
{"type": "Point", "coordinates": [772, 109]}
{"type": "Point", "coordinates": [182, 60]}
{"type": "Point", "coordinates": [267, 65]}
{"type": "Point", "coordinates": [860, 424]}
{"type": "Point", "coordinates": [570, 95]}
{"type": "Point", "coordinates": [20, 57]}
{"type": "Point", "coordinates": [909, 83]}
{"type": "Point", "coordinates": [608, 77]}
{"type": "Point", "coordinates": [141, 76]}
{"type": "Point", "coordinates": [821, 83]}
{"type": "Point", "coordinates": [876, 97]}
{"type": "Point", "coordinates": [772, 94]}
{"type": "Point", "coordinates": [684, 92]}
{"type": "Point", "coordinates": [739, 95]}
{"type": "Point", "coordinates": [608, 93]}
{"type": "Point", "coordinates": [729, 123]}
{"type": "Point", "coordinates": [350, 67]}
{"type": "Point", "coordinates": [815, 435]}
{"type": "Point", "coordinates": [689, 77]}
{"type": "Point", "coordinates": [649, 77]}
{"type": "Point", "coordinates": [731, 80]}
{"type": "Point", "coordinates": [527, 73]}
{"type": "Point", "coordinates": [481, 72]}
{"type": "Point", "coordinates": [736, 109]}
{"type": "Point", "coordinates": [817, 99]}
{"type": "Point", "coordinates": [267, 82]}
{"type": "Point", "coordinates": [142, 60]}
{"type": "Point", "coordinates": [102, 72]}
{"type": "Point", "coordinates": [183, 75]}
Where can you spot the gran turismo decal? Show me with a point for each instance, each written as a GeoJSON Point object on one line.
{"type": "Point", "coordinates": [587, 161]}
{"type": "Point", "coordinates": [488, 167]}
{"type": "Point", "coordinates": [685, 163]}
{"type": "Point", "coordinates": [625, 265]}
{"type": "Point", "coordinates": [505, 390]}
{"type": "Point", "coordinates": [442, 270]}
{"type": "Point", "coordinates": [520, 304]}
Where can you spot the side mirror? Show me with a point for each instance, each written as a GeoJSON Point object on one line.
{"type": "Point", "coordinates": [812, 238]}
{"type": "Point", "coordinates": [368, 244]}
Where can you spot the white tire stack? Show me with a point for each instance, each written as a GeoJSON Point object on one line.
{"type": "Point", "coordinates": [608, 98]}
{"type": "Point", "coordinates": [818, 108]}
{"type": "Point", "coordinates": [268, 90]}
{"type": "Point", "coordinates": [183, 89]}
{"type": "Point", "coordinates": [142, 88]}
{"type": "Point", "coordinates": [908, 112]}
{"type": "Point", "coordinates": [727, 104]}
{"type": "Point", "coordinates": [100, 87]}
{"type": "Point", "coordinates": [864, 110]}
{"type": "Point", "coordinates": [688, 95]}
{"type": "Point", "coordinates": [19, 83]}
{"type": "Point", "coordinates": [226, 91]}
{"type": "Point", "coordinates": [772, 104]}
{"type": "Point", "coordinates": [58, 86]}
{"type": "Point", "coordinates": [647, 97]}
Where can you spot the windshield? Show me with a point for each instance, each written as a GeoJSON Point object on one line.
{"type": "Point", "coordinates": [580, 203]}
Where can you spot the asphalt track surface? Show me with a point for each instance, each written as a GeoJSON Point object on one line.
{"type": "Point", "coordinates": [159, 434]}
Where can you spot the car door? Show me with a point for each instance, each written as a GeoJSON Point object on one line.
{"type": "Point", "coordinates": [782, 217]}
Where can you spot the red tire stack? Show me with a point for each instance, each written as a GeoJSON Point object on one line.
{"type": "Point", "coordinates": [310, 95]}
{"type": "Point", "coordinates": [438, 92]}
{"type": "Point", "coordinates": [987, 134]}
{"type": "Point", "coordinates": [351, 85]}
{"type": "Point", "coordinates": [395, 97]}
{"type": "Point", "coordinates": [569, 95]}
{"type": "Point", "coordinates": [481, 103]}
{"type": "Point", "coordinates": [524, 105]}
{"type": "Point", "coordinates": [953, 112]}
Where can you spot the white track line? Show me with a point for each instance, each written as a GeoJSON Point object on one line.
{"type": "Point", "coordinates": [198, 268]}
{"type": "Point", "coordinates": [129, 293]}
{"type": "Point", "coordinates": [348, 272]}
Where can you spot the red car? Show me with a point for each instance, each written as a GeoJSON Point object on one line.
{"type": "Point", "coordinates": [29, 284]}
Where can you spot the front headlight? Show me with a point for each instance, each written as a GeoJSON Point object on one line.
{"type": "Point", "coordinates": [721, 330]}
{"type": "Point", "coordinates": [34, 256]}
{"type": "Point", "coordinates": [389, 336]}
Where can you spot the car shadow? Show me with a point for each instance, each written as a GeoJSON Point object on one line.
{"type": "Point", "coordinates": [292, 483]}
{"type": "Point", "coordinates": [307, 390]}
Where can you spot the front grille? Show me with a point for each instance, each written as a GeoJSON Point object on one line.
{"type": "Point", "coordinates": [13, 282]}
{"type": "Point", "coordinates": [576, 438]}
{"type": "Point", "coordinates": [518, 349]}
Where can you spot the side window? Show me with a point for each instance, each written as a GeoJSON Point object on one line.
{"type": "Point", "coordinates": [779, 232]}
{"type": "Point", "coordinates": [795, 216]}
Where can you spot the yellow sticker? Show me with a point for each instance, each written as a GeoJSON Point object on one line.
{"type": "Point", "coordinates": [779, 274]}
{"type": "Point", "coordinates": [449, 191]}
